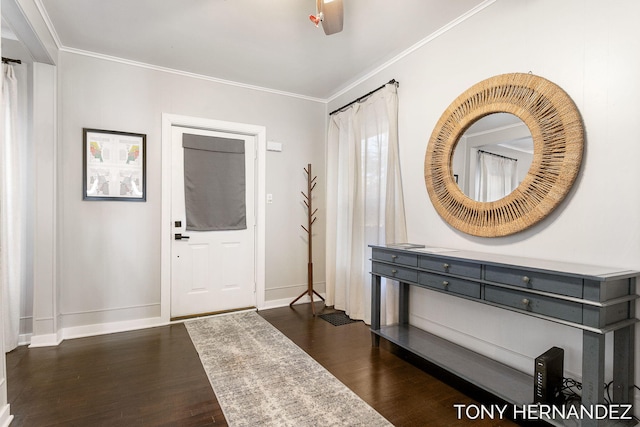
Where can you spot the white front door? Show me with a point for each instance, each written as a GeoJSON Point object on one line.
{"type": "Point", "coordinates": [211, 271]}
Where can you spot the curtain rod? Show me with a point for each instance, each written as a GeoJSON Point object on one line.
{"type": "Point", "coordinates": [7, 60]}
{"type": "Point", "coordinates": [498, 155]}
{"type": "Point", "coordinates": [391, 82]}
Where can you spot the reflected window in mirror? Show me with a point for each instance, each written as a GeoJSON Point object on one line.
{"type": "Point", "coordinates": [492, 157]}
{"type": "Point", "coordinates": [495, 176]}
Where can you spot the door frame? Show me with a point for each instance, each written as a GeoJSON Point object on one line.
{"type": "Point", "coordinates": [260, 133]}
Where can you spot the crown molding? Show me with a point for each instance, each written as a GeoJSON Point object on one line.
{"type": "Point", "coordinates": [332, 97]}
{"type": "Point", "coordinates": [413, 48]}
{"type": "Point", "coordinates": [188, 74]}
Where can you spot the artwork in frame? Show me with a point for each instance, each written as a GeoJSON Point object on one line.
{"type": "Point", "coordinates": [114, 165]}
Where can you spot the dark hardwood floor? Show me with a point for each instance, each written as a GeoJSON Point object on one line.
{"type": "Point", "coordinates": [384, 377]}
{"type": "Point", "coordinates": [153, 377]}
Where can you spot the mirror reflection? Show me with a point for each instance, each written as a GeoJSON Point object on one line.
{"type": "Point", "coordinates": [492, 157]}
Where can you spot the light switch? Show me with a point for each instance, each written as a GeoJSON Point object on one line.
{"type": "Point", "coordinates": [269, 198]}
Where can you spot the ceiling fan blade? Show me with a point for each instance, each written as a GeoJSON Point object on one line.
{"type": "Point", "coordinates": [332, 15]}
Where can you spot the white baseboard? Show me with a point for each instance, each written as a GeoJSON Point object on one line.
{"type": "Point", "coordinates": [285, 302]}
{"type": "Point", "coordinates": [110, 328]}
{"type": "Point", "coordinates": [24, 339]}
{"type": "Point", "coordinates": [97, 322]}
{"type": "Point", "coordinates": [93, 330]}
{"type": "Point", "coordinates": [127, 325]}
{"type": "Point", "coordinates": [45, 340]}
{"type": "Point", "coordinates": [489, 349]}
{"type": "Point", "coordinates": [5, 416]}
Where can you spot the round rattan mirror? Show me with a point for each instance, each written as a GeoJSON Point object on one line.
{"type": "Point", "coordinates": [558, 139]}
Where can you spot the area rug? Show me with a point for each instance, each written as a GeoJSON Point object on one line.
{"type": "Point", "coordinates": [261, 378]}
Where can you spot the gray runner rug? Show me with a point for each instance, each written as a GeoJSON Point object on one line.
{"type": "Point", "coordinates": [261, 378]}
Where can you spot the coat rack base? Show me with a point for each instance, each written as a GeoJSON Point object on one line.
{"type": "Point", "coordinates": [309, 292]}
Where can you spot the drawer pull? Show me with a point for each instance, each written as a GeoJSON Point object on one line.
{"type": "Point", "coordinates": [393, 257]}
{"type": "Point", "coordinates": [394, 271]}
{"type": "Point", "coordinates": [526, 279]}
{"type": "Point", "coordinates": [526, 302]}
{"type": "Point", "coordinates": [445, 266]}
{"type": "Point", "coordinates": [445, 284]}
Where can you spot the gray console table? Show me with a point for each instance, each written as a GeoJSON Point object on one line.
{"type": "Point", "coordinates": [596, 299]}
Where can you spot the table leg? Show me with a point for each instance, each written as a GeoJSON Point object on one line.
{"type": "Point", "coordinates": [623, 364]}
{"type": "Point", "coordinates": [592, 373]}
{"type": "Point", "coordinates": [403, 304]}
{"type": "Point", "coordinates": [375, 309]}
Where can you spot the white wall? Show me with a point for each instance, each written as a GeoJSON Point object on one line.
{"type": "Point", "coordinates": [587, 47]}
{"type": "Point", "coordinates": [590, 49]}
{"type": "Point", "coordinates": [110, 251]}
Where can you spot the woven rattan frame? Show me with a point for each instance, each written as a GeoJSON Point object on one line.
{"type": "Point", "coordinates": [558, 139]}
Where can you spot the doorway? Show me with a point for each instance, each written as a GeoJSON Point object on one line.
{"type": "Point", "coordinates": [226, 293]}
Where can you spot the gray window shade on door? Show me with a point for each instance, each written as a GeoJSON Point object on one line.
{"type": "Point", "coordinates": [214, 183]}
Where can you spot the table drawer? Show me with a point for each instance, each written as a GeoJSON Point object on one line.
{"type": "Point", "coordinates": [600, 317]}
{"type": "Point", "coordinates": [459, 268]}
{"type": "Point", "coordinates": [395, 257]}
{"type": "Point", "coordinates": [538, 304]}
{"type": "Point", "coordinates": [395, 272]}
{"type": "Point", "coordinates": [563, 285]}
{"type": "Point", "coordinates": [449, 284]}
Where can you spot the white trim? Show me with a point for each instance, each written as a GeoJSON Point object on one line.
{"type": "Point", "coordinates": [111, 309]}
{"type": "Point", "coordinates": [316, 285]}
{"type": "Point", "coordinates": [186, 73]}
{"type": "Point", "coordinates": [501, 354]}
{"type": "Point", "coordinates": [17, 14]}
{"type": "Point", "coordinates": [260, 132]}
{"type": "Point", "coordinates": [47, 340]}
{"type": "Point", "coordinates": [46, 235]}
{"type": "Point", "coordinates": [50, 340]}
{"type": "Point", "coordinates": [24, 339]}
{"type": "Point", "coordinates": [47, 21]}
{"type": "Point", "coordinates": [5, 416]}
{"type": "Point", "coordinates": [340, 92]}
{"type": "Point", "coordinates": [110, 328]}
{"type": "Point", "coordinates": [406, 52]}
{"type": "Point", "coordinates": [287, 301]}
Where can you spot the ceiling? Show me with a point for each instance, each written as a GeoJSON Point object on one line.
{"type": "Point", "coordinates": [265, 43]}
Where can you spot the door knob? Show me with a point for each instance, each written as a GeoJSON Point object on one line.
{"type": "Point", "coordinates": [180, 236]}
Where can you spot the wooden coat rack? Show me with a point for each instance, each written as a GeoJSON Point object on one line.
{"type": "Point", "coordinates": [311, 214]}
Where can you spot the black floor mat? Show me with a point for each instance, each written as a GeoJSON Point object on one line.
{"type": "Point", "coordinates": [338, 318]}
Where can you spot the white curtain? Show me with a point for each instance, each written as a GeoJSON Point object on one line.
{"type": "Point", "coordinates": [495, 176]}
{"type": "Point", "coordinates": [11, 211]}
{"type": "Point", "coordinates": [364, 202]}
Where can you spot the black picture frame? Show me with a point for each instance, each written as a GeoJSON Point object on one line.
{"type": "Point", "coordinates": [114, 165]}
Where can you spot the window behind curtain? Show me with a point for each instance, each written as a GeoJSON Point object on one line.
{"type": "Point", "coordinates": [364, 201]}
{"type": "Point", "coordinates": [495, 176]}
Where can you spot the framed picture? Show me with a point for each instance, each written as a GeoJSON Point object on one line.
{"type": "Point", "coordinates": [114, 165]}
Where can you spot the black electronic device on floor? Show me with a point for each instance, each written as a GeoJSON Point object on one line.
{"type": "Point", "coordinates": [547, 378]}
